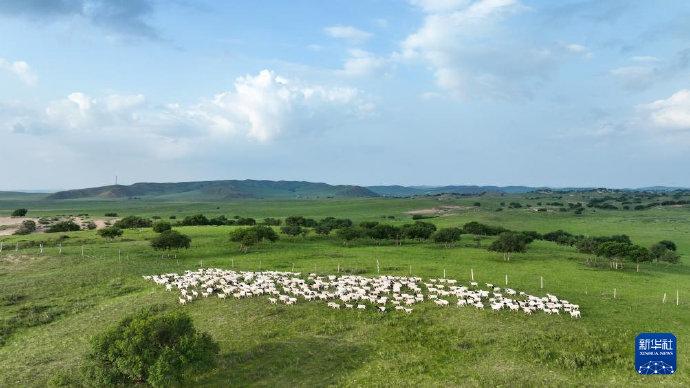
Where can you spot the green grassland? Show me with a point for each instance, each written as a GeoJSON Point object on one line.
{"type": "Point", "coordinates": [55, 303]}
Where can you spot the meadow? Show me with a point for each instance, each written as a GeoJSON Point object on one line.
{"type": "Point", "coordinates": [52, 304]}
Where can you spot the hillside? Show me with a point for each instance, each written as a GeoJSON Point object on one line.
{"type": "Point", "coordinates": [225, 189]}
{"type": "Point", "coordinates": [409, 191]}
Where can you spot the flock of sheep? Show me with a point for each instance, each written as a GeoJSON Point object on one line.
{"type": "Point", "coordinates": [383, 293]}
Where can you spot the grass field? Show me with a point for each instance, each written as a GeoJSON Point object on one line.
{"type": "Point", "coordinates": [56, 303]}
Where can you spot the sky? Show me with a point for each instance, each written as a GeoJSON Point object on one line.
{"type": "Point", "coordinates": [419, 92]}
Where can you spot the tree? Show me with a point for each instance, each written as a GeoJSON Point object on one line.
{"type": "Point", "coordinates": [161, 349]}
{"type": "Point", "coordinates": [509, 242]}
{"type": "Point", "coordinates": [131, 222]}
{"type": "Point", "coordinates": [63, 226]}
{"type": "Point", "coordinates": [28, 227]}
{"type": "Point", "coordinates": [171, 239]}
{"type": "Point", "coordinates": [19, 213]}
{"type": "Point", "coordinates": [110, 232]}
{"type": "Point", "coordinates": [447, 236]}
{"type": "Point", "coordinates": [248, 237]}
{"type": "Point", "coordinates": [161, 226]}
{"type": "Point", "coordinates": [662, 252]}
{"type": "Point", "coordinates": [90, 225]}
{"type": "Point", "coordinates": [668, 244]}
{"type": "Point", "coordinates": [385, 232]}
{"type": "Point", "coordinates": [291, 230]}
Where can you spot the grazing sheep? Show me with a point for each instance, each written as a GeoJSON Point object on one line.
{"type": "Point", "coordinates": [351, 290]}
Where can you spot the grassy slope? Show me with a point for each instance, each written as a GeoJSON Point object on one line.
{"type": "Point", "coordinates": [309, 344]}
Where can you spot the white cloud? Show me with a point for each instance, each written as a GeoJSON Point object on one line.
{"type": "Point", "coordinates": [347, 32]}
{"type": "Point", "coordinates": [672, 113]}
{"type": "Point", "coordinates": [469, 51]}
{"type": "Point", "coordinates": [20, 69]}
{"type": "Point", "coordinates": [635, 77]}
{"type": "Point", "coordinates": [579, 49]}
{"type": "Point", "coordinates": [439, 5]}
{"type": "Point", "coordinates": [259, 108]}
{"type": "Point", "coordinates": [362, 63]}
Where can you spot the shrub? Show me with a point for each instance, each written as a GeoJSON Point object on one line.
{"type": "Point", "coordinates": [245, 221]}
{"type": "Point", "coordinates": [291, 230]}
{"type": "Point", "coordinates": [63, 226]}
{"type": "Point", "coordinates": [28, 227]}
{"type": "Point", "coordinates": [300, 221]}
{"type": "Point", "coordinates": [161, 349]}
{"type": "Point", "coordinates": [161, 226]}
{"type": "Point", "coordinates": [349, 234]}
{"type": "Point", "coordinates": [322, 230]}
{"type": "Point", "coordinates": [131, 222]}
{"type": "Point", "coordinates": [217, 221]}
{"type": "Point", "coordinates": [509, 242]}
{"type": "Point", "coordinates": [419, 230]}
{"type": "Point", "coordinates": [90, 225]}
{"type": "Point", "coordinates": [111, 214]}
{"type": "Point", "coordinates": [272, 221]}
{"type": "Point", "coordinates": [19, 212]}
{"type": "Point", "coordinates": [197, 219]}
{"type": "Point", "coordinates": [480, 229]}
{"type": "Point", "coordinates": [447, 236]}
{"type": "Point", "coordinates": [248, 237]}
{"type": "Point", "coordinates": [110, 232]}
{"type": "Point", "coordinates": [333, 223]}
{"type": "Point", "coordinates": [384, 232]}
{"type": "Point", "coordinates": [171, 239]}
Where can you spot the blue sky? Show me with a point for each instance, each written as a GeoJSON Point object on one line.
{"type": "Point", "coordinates": [435, 92]}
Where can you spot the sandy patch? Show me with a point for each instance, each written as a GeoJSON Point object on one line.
{"type": "Point", "coordinates": [440, 210]}
{"type": "Point", "coordinates": [8, 225]}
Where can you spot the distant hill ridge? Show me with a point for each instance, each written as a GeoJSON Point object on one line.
{"type": "Point", "coordinates": [237, 189]}
{"type": "Point", "coordinates": [224, 189]}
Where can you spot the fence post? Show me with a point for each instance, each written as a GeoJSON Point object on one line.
{"type": "Point", "coordinates": [541, 282]}
{"type": "Point", "coordinates": [378, 267]}
{"type": "Point", "coordinates": [664, 299]}
{"type": "Point", "coordinates": [472, 274]}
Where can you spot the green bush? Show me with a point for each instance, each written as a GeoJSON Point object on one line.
{"type": "Point", "coordinates": [63, 226]}
{"type": "Point", "coordinates": [111, 214]}
{"type": "Point", "coordinates": [19, 212]}
{"type": "Point", "coordinates": [110, 232]}
{"type": "Point", "coordinates": [161, 226]}
{"type": "Point", "coordinates": [161, 349]}
{"type": "Point", "coordinates": [447, 236]}
{"type": "Point", "coordinates": [131, 222]}
{"type": "Point", "coordinates": [28, 227]}
{"type": "Point", "coordinates": [171, 239]}
{"type": "Point", "coordinates": [197, 219]}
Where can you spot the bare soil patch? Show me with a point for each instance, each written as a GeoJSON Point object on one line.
{"type": "Point", "coordinates": [440, 210]}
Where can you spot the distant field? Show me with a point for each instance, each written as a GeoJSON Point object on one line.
{"type": "Point", "coordinates": [65, 299]}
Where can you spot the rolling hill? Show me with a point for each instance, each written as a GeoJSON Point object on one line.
{"type": "Point", "coordinates": [213, 190]}
{"type": "Point", "coordinates": [409, 191]}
